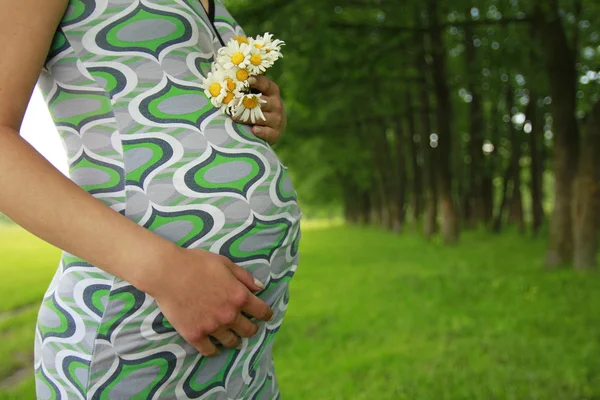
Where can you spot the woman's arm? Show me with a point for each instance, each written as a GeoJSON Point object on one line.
{"type": "Point", "coordinates": [39, 198]}
{"type": "Point", "coordinates": [199, 292]}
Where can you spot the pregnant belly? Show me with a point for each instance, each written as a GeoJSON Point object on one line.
{"type": "Point", "coordinates": [219, 188]}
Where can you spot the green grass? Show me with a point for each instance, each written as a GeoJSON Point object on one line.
{"type": "Point", "coordinates": [378, 316]}
{"type": "Point", "coordinates": [27, 264]}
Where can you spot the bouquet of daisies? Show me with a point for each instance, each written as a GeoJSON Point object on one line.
{"type": "Point", "coordinates": [227, 84]}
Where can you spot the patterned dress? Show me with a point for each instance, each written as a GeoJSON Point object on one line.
{"type": "Point", "coordinates": [122, 82]}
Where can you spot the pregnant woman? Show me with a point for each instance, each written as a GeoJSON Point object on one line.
{"type": "Point", "coordinates": [179, 226]}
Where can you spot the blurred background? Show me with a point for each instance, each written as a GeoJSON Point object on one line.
{"type": "Point", "coordinates": [447, 158]}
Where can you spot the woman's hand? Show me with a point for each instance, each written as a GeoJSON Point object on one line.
{"type": "Point", "coordinates": [271, 129]}
{"type": "Point", "coordinates": [203, 294]}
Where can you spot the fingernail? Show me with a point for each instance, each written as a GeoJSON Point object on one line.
{"type": "Point", "coordinates": [272, 318]}
{"type": "Point", "coordinates": [257, 129]}
{"type": "Point", "coordinates": [259, 283]}
{"type": "Point", "coordinates": [252, 80]}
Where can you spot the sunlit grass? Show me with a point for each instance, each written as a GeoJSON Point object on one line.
{"type": "Point", "coordinates": [312, 224]}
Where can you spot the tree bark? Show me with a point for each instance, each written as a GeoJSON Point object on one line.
{"type": "Point", "coordinates": [400, 177]}
{"type": "Point", "coordinates": [586, 208]}
{"type": "Point", "coordinates": [536, 143]}
{"type": "Point", "coordinates": [416, 199]}
{"type": "Point", "coordinates": [449, 219]}
{"type": "Point", "coordinates": [475, 203]}
{"type": "Point", "coordinates": [351, 200]}
{"type": "Point", "coordinates": [515, 201]}
{"type": "Point", "coordinates": [384, 167]}
{"type": "Point", "coordinates": [560, 65]}
{"type": "Point", "coordinates": [492, 164]}
{"type": "Point", "coordinates": [430, 216]}
{"type": "Point", "coordinates": [507, 184]}
{"type": "Point", "coordinates": [365, 207]}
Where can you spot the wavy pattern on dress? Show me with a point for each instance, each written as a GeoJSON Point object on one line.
{"type": "Point", "coordinates": [122, 82]}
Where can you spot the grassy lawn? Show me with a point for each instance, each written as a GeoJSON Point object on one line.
{"type": "Point", "coordinates": [27, 265]}
{"type": "Point", "coordinates": [377, 316]}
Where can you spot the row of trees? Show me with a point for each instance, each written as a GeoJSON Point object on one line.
{"type": "Point", "coordinates": [452, 112]}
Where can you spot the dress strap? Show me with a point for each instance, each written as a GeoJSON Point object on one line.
{"type": "Point", "coordinates": [211, 17]}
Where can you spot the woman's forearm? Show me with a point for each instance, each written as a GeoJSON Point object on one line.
{"type": "Point", "coordinates": [38, 197]}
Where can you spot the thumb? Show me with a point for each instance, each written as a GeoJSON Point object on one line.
{"type": "Point", "coordinates": [246, 278]}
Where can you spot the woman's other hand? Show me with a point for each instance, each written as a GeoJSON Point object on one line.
{"type": "Point", "coordinates": [276, 121]}
{"type": "Point", "coordinates": [203, 294]}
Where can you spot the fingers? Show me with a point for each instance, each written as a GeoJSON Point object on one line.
{"type": "Point", "coordinates": [244, 327]}
{"type": "Point", "coordinates": [258, 308]}
{"type": "Point", "coordinates": [264, 130]}
{"type": "Point", "coordinates": [206, 348]}
{"type": "Point", "coordinates": [227, 338]}
{"type": "Point", "coordinates": [245, 277]}
{"type": "Point", "coordinates": [273, 104]}
{"type": "Point", "coordinates": [266, 133]}
{"type": "Point", "coordinates": [264, 85]}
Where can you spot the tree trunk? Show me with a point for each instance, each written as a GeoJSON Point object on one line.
{"type": "Point", "coordinates": [492, 164]}
{"type": "Point", "coordinates": [351, 201]}
{"type": "Point", "coordinates": [429, 157]}
{"type": "Point", "coordinates": [383, 162]}
{"type": "Point", "coordinates": [400, 177]}
{"type": "Point", "coordinates": [415, 176]}
{"type": "Point", "coordinates": [375, 201]}
{"type": "Point", "coordinates": [475, 196]}
{"type": "Point", "coordinates": [560, 64]}
{"type": "Point", "coordinates": [507, 185]}
{"type": "Point", "coordinates": [586, 210]}
{"type": "Point", "coordinates": [515, 214]}
{"type": "Point", "coordinates": [365, 207]}
{"type": "Point", "coordinates": [536, 143]}
{"type": "Point", "coordinates": [449, 219]}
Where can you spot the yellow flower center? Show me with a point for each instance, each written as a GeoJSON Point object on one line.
{"type": "Point", "coordinates": [241, 39]}
{"type": "Point", "coordinates": [215, 89]}
{"type": "Point", "coordinates": [237, 58]}
{"type": "Point", "coordinates": [268, 51]}
{"type": "Point", "coordinates": [228, 98]}
{"type": "Point", "coordinates": [241, 75]}
{"type": "Point", "coordinates": [256, 59]}
{"type": "Point", "coordinates": [230, 85]}
{"type": "Point", "coordinates": [258, 45]}
{"type": "Point", "coordinates": [250, 102]}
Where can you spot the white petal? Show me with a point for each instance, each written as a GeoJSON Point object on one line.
{"type": "Point", "coordinates": [260, 113]}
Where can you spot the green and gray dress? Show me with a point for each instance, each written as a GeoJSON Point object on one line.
{"type": "Point", "coordinates": [122, 82]}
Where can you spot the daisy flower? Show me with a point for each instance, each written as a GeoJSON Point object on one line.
{"type": "Point", "coordinates": [248, 108]}
{"type": "Point", "coordinates": [230, 101]}
{"type": "Point", "coordinates": [240, 74]}
{"type": "Point", "coordinates": [233, 91]}
{"type": "Point", "coordinates": [271, 47]}
{"type": "Point", "coordinates": [259, 61]}
{"type": "Point", "coordinates": [241, 40]}
{"type": "Point", "coordinates": [215, 86]}
{"type": "Point", "coordinates": [234, 55]}
{"type": "Point", "coordinates": [232, 81]}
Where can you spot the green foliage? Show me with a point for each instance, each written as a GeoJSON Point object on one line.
{"type": "Point", "coordinates": [378, 316]}
{"type": "Point", "coordinates": [349, 64]}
